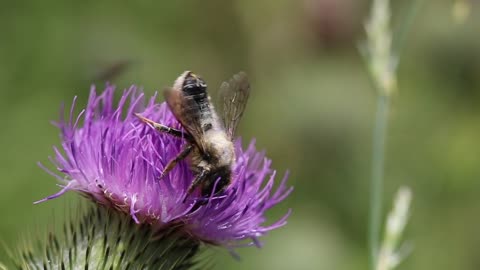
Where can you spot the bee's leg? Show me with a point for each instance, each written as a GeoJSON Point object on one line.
{"type": "Point", "coordinates": [171, 164]}
{"type": "Point", "coordinates": [165, 129]}
{"type": "Point", "coordinates": [197, 181]}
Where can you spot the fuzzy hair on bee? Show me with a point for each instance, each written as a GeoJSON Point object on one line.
{"type": "Point", "coordinates": [210, 148]}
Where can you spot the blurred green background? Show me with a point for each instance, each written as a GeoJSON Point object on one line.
{"type": "Point", "coordinates": [311, 108]}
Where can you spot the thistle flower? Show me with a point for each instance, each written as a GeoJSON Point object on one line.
{"type": "Point", "coordinates": [116, 160]}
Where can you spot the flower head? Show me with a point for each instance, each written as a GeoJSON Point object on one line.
{"type": "Point", "coordinates": [98, 237]}
{"type": "Point", "coordinates": [111, 156]}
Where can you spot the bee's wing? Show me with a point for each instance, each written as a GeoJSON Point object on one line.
{"type": "Point", "coordinates": [187, 112]}
{"type": "Point", "coordinates": [234, 95]}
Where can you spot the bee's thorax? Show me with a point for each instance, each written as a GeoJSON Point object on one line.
{"type": "Point", "coordinates": [218, 151]}
{"type": "Point", "coordinates": [217, 160]}
{"type": "Point", "coordinates": [220, 147]}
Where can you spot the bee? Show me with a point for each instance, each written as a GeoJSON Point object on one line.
{"type": "Point", "coordinates": [210, 148]}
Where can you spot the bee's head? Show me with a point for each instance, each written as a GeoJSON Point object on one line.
{"type": "Point", "coordinates": [190, 83]}
{"type": "Point", "coordinates": [218, 180]}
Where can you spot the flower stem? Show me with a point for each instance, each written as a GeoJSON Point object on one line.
{"type": "Point", "coordinates": [376, 185]}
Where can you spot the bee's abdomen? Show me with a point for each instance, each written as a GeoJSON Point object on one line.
{"type": "Point", "coordinates": [204, 112]}
{"type": "Point", "coordinates": [194, 88]}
